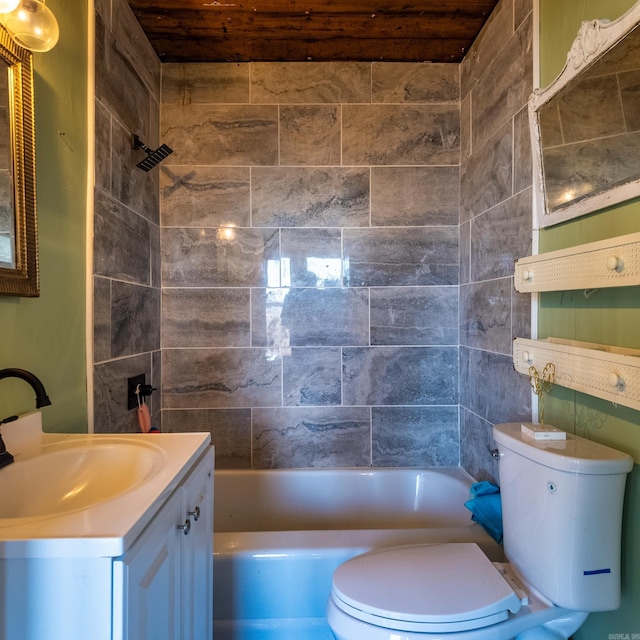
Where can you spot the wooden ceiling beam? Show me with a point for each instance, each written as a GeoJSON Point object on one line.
{"type": "Point", "coordinates": [290, 30]}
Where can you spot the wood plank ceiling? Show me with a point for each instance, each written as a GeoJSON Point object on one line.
{"type": "Point", "coordinates": [320, 30]}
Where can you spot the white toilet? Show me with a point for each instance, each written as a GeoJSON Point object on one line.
{"type": "Point", "coordinates": [562, 518]}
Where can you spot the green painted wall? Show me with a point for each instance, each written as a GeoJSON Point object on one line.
{"type": "Point", "coordinates": [609, 316]}
{"type": "Point", "coordinates": [46, 335]}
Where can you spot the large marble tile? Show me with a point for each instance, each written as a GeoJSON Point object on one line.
{"type": "Point", "coordinates": [500, 236]}
{"type": "Point", "coordinates": [121, 241]}
{"type": "Point", "coordinates": [401, 257]}
{"type": "Point", "coordinates": [155, 399]}
{"type": "Point", "coordinates": [119, 86]}
{"type": "Point", "coordinates": [205, 83]}
{"type": "Point", "coordinates": [397, 82]}
{"type": "Point", "coordinates": [193, 196]}
{"type": "Point", "coordinates": [506, 85]}
{"type": "Point", "coordinates": [590, 167]}
{"type": "Point", "coordinates": [496, 32]}
{"type": "Point", "coordinates": [485, 315]}
{"type": "Point", "coordinates": [231, 135]}
{"type": "Point", "coordinates": [135, 319]}
{"type": "Point", "coordinates": [486, 179]}
{"type": "Point", "coordinates": [415, 196]}
{"type": "Point", "coordinates": [309, 317]}
{"type": "Point", "coordinates": [414, 315]}
{"type": "Point", "coordinates": [550, 127]}
{"type": "Point", "coordinates": [103, 8]}
{"type": "Point", "coordinates": [491, 388]}
{"type": "Point", "coordinates": [310, 135]}
{"type": "Point", "coordinates": [629, 93]}
{"type": "Point", "coordinates": [155, 256]}
{"type": "Point", "coordinates": [466, 148]}
{"type": "Point", "coordinates": [400, 375]}
{"type": "Point", "coordinates": [476, 444]}
{"type": "Point", "coordinates": [101, 319]}
{"type": "Point", "coordinates": [306, 437]}
{"type": "Point", "coordinates": [311, 257]}
{"type": "Point", "coordinates": [415, 436]}
{"type": "Point", "coordinates": [110, 393]}
{"type": "Point", "coordinates": [312, 377]}
{"type": "Point", "coordinates": [310, 82]}
{"type": "Point", "coordinates": [310, 197]}
{"type": "Point", "coordinates": [521, 9]}
{"type": "Point", "coordinates": [135, 46]}
{"type": "Point", "coordinates": [592, 109]}
{"type": "Point", "coordinates": [400, 135]}
{"type": "Point", "coordinates": [206, 258]}
{"type": "Point", "coordinates": [465, 253]}
{"type": "Point", "coordinates": [221, 378]}
{"type": "Point", "coordinates": [101, 155]}
{"type": "Point", "coordinates": [136, 189]}
{"type": "Point", "coordinates": [520, 315]}
{"type": "Point", "coordinates": [205, 318]}
{"type": "Point", "coordinates": [522, 159]}
{"type": "Point", "coordinates": [230, 432]}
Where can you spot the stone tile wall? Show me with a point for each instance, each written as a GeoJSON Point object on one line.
{"type": "Point", "coordinates": [309, 223]}
{"type": "Point", "coordinates": [495, 229]}
{"type": "Point", "coordinates": [126, 220]}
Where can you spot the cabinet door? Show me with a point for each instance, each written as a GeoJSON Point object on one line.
{"type": "Point", "coordinates": [197, 553]}
{"type": "Point", "coordinates": [151, 579]}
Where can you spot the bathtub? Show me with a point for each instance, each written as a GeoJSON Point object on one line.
{"type": "Point", "coordinates": [280, 535]}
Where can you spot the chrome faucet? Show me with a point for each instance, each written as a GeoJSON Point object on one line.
{"type": "Point", "coordinates": [42, 400]}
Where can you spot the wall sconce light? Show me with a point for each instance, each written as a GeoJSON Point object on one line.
{"type": "Point", "coordinates": [6, 6]}
{"type": "Point", "coordinates": [30, 23]}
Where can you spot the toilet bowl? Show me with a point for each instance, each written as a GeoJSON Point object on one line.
{"type": "Point", "coordinates": [453, 590]}
{"type": "Point", "coordinates": [562, 520]}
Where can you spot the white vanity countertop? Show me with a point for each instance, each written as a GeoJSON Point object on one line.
{"type": "Point", "coordinates": [109, 527]}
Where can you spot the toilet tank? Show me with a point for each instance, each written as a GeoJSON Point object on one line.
{"type": "Point", "coordinates": [562, 515]}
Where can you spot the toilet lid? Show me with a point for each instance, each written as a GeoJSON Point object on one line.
{"type": "Point", "coordinates": [429, 588]}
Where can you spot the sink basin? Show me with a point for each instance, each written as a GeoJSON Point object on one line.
{"type": "Point", "coordinates": [70, 477]}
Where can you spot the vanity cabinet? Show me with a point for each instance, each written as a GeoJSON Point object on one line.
{"type": "Point", "coordinates": [139, 567]}
{"type": "Point", "coordinates": [163, 584]}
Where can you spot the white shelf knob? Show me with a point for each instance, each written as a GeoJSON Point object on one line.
{"type": "Point", "coordinates": [615, 264]}
{"type": "Point", "coordinates": [527, 275]}
{"type": "Point", "coordinates": [527, 357]}
{"type": "Point", "coordinates": [616, 380]}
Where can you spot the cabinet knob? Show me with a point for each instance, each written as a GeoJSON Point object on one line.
{"type": "Point", "coordinates": [195, 513]}
{"type": "Point", "coordinates": [527, 357]}
{"type": "Point", "coordinates": [527, 275]}
{"type": "Point", "coordinates": [616, 380]}
{"type": "Point", "coordinates": [614, 263]}
{"type": "Point", "coordinates": [186, 527]}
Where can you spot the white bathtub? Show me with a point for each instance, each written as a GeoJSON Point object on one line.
{"type": "Point", "coordinates": [280, 535]}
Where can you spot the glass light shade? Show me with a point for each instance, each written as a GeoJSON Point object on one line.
{"type": "Point", "coordinates": [33, 26]}
{"type": "Point", "coordinates": [6, 6]}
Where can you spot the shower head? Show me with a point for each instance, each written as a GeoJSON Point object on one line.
{"type": "Point", "coordinates": [153, 157]}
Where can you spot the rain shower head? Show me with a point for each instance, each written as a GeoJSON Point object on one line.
{"type": "Point", "coordinates": [153, 157]}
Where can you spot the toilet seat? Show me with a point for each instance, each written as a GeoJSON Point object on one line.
{"type": "Point", "coordinates": [426, 589]}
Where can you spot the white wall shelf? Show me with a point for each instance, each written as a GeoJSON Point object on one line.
{"type": "Point", "coordinates": [608, 263]}
{"type": "Point", "coordinates": [606, 372]}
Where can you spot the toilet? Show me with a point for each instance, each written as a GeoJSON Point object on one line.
{"type": "Point", "coordinates": [562, 520]}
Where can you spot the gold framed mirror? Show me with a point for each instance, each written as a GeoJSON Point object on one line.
{"type": "Point", "coordinates": [19, 274]}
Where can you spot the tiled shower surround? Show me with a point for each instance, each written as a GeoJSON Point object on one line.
{"type": "Point", "coordinates": [321, 272]}
{"type": "Point", "coordinates": [309, 232]}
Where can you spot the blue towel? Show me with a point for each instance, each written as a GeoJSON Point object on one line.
{"type": "Point", "coordinates": [486, 508]}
